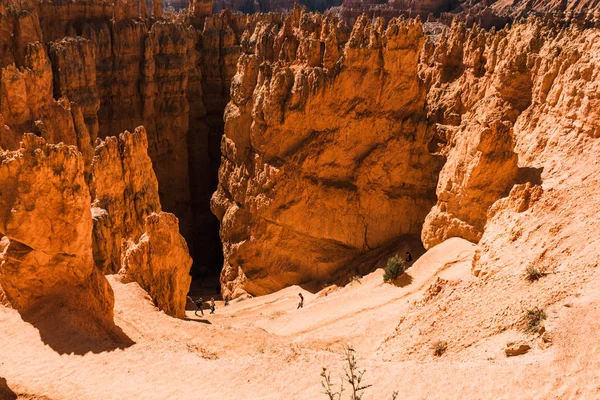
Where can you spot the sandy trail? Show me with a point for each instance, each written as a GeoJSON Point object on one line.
{"type": "Point", "coordinates": [263, 348]}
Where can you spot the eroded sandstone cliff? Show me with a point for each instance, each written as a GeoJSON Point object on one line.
{"type": "Point", "coordinates": [160, 263]}
{"type": "Point", "coordinates": [124, 192]}
{"type": "Point", "coordinates": [110, 70]}
{"type": "Point", "coordinates": [325, 152]}
{"type": "Point", "coordinates": [74, 71]}
{"type": "Point", "coordinates": [328, 131]}
{"type": "Point", "coordinates": [46, 229]}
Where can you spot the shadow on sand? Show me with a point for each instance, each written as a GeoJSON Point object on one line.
{"type": "Point", "coordinates": [403, 280]}
{"type": "Point", "coordinates": [69, 331]}
{"type": "Point", "coordinates": [5, 392]}
{"type": "Point", "coordinates": [202, 321]}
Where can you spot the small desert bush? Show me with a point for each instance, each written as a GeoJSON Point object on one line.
{"type": "Point", "coordinates": [532, 274]}
{"type": "Point", "coordinates": [353, 376]}
{"type": "Point", "coordinates": [439, 348]}
{"type": "Point", "coordinates": [394, 268]}
{"type": "Point", "coordinates": [533, 319]}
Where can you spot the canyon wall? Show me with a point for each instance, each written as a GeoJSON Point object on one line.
{"type": "Point", "coordinates": [160, 263]}
{"type": "Point", "coordinates": [334, 140]}
{"type": "Point", "coordinates": [86, 74]}
{"type": "Point", "coordinates": [113, 69]}
{"type": "Point", "coordinates": [124, 192]}
{"type": "Point", "coordinates": [337, 143]}
{"type": "Point", "coordinates": [326, 149]}
{"type": "Point", "coordinates": [539, 80]}
{"type": "Point", "coordinates": [131, 235]}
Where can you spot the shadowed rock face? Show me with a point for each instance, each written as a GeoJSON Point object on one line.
{"type": "Point", "coordinates": [325, 153]}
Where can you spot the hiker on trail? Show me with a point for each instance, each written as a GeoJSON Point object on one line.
{"type": "Point", "coordinates": [300, 301]}
{"type": "Point", "coordinates": [408, 258]}
{"type": "Point", "coordinates": [212, 305]}
{"type": "Point", "coordinates": [225, 300]}
{"type": "Point", "coordinates": [198, 304]}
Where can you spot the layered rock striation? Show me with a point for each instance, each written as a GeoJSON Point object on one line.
{"type": "Point", "coordinates": [326, 149]}
{"type": "Point", "coordinates": [124, 192]}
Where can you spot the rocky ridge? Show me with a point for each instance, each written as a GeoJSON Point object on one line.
{"type": "Point", "coordinates": [466, 111]}
{"type": "Point", "coordinates": [110, 69]}
{"type": "Point", "coordinates": [317, 119]}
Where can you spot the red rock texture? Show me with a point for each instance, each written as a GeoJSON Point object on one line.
{"type": "Point", "coordinates": [74, 73]}
{"type": "Point", "coordinates": [46, 228]}
{"type": "Point", "coordinates": [160, 263]}
{"type": "Point", "coordinates": [124, 192]}
{"type": "Point", "coordinates": [312, 176]}
{"type": "Point", "coordinates": [122, 72]}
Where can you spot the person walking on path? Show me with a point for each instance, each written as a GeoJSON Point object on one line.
{"type": "Point", "coordinates": [212, 305]}
{"type": "Point", "coordinates": [198, 304]}
{"type": "Point", "coordinates": [408, 258]}
{"type": "Point", "coordinates": [300, 301]}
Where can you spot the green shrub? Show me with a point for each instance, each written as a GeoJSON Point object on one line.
{"type": "Point", "coordinates": [394, 268]}
{"type": "Point", "coordinates": [533, 319]}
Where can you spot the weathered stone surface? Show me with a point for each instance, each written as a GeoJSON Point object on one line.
{"type": "Point", "coordinates": [74, 72]}
{"type": "Point", "coordinates": [46, 225]}
{"type": "Point", "coordinates": [19, 26]}
{"type": "Point", "coordinates": [480, 169]}
{"type": "Point", "coordinates": [302, 140]}
{"type": "Point", "coordinates": [169, 55]}
{"type": "Point", "coordinates": [477, 125]}
{"type": "Point", "coordinates": [9, 140]}
{"type": "Point", "coordinates": [160, 263]}
{"type": "Point", "coordinates": [516, 349]}
{"type": "Point", "coordinates": [115, 72]}
{"type": "Point", "coordinates": [26, 92]}
{"type": "Point", "coordinates": [124, 191]}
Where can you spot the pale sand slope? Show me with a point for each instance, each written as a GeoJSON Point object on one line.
{"type": "Point", "coordinates": [263, 348]}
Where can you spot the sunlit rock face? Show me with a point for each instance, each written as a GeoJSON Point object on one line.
{"type": "Point", "coordinates": [325, 152]}
{"type": "Point", "coordinates": [46, 228]}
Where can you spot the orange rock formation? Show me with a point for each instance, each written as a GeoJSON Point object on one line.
{"type": "Point", "coordinates": [325, 153]}
{"type": "Point", "coordinates": [46, 229]}
{"type": "Point", "coordinates": [125, 191]}
{"type": "Point", "coordinates": [314, 172]}
{"type": "Point", "coordinates": [160, 263]}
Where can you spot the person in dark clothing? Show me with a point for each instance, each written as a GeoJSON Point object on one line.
{"type": "Point", "coordinates": [408, 258]}
{"type": "Point", "coordinates": [300, 301]}
{"type": "Point", "coordinates": [198, 304]}
{"type": "Point", "coordinates": [212, 305]}
{"type": "Point", "coordinates": [225, 300]}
